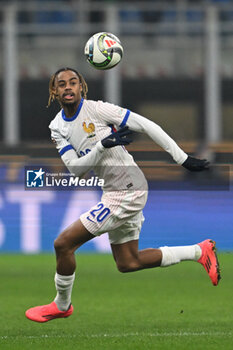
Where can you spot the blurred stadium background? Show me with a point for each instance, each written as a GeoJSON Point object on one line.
{"type": "Point", "coordinates": [177, 70]}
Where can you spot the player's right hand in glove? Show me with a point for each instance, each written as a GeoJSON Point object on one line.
{"type": "Point", "coordinates": [194, 164]}
{"type": "Point", "coordinates": [117, 138]}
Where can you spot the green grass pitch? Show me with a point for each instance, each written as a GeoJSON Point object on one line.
{"type": "Point", "coordinates": [163, 308]}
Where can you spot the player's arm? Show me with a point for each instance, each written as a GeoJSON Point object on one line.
{"type": "Point", "coordinates": [79, 166]}
{"type": "Point", "coordinates": [140, 124]}
{"type": "Point", "coordinates": [119, 116]}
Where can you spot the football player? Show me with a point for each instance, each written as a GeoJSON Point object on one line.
{"type": "Point", "coordinates": [92, 135]}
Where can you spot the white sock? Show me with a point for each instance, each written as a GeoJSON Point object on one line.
{"type": "Point", "coordinates": [173, 255]}
{"type": "Point", "coordinates": [64, 285]}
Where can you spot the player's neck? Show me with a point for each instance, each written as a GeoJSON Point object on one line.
{"type": "Point", "coordinates": [71, 109]}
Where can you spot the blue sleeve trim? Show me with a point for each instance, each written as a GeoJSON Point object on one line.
{"type": "Point", "coordinates": [124, 121]}
{"type": "Point", "coordinates": [65, 149]}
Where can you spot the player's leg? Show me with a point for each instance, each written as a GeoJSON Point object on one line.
{"type": "Point", "coordinates": [65, 246]}
{"type": "Point", "coordinates": [128, 258]}
{"type": "Point", "coordinates": [67, 243]}
{"type": "Point", "coordinates": [124, 244]}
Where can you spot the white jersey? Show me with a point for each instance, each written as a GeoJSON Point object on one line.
{"type": "Point", "coordinates": [92, 122]}
{"type": "Point", "coordinates": [78, 142]}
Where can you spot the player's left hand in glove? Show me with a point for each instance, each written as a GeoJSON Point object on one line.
{"type": "Point", "coordinates": [194, 164]}
{"type": "Point", "coordinates": [117, 138]}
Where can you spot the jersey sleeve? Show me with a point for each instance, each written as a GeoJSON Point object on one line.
{"type": "Point", "coordinates": [112, 114]}
{"type": "Point", "coordinates": [76, 165]}
{"type": "Point", "coordinates": [139, 123]}
{"type": "Point", "coordinates": [61, 143]}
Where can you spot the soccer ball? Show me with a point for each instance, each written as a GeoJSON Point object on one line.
{"type": "Point", "coordinates": [103, 50]}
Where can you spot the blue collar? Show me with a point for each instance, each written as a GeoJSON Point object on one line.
{"type": "Point", "coordinates": [74, 116]}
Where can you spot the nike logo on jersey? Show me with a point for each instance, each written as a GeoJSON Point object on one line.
{"type": "Point", "coordinates": [129, 185]}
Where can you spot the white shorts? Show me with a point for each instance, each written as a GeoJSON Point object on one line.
{"type": "Point", "coordinates": [119, 213]}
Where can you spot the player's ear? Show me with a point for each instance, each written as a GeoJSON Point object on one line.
{"type": "Point", "coordinates": [81, 87]}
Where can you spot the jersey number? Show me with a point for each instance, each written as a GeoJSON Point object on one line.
{"type": "Point", "coordinates": [100, 213]}
{"type": "Point", "coordinates": [82, 153]}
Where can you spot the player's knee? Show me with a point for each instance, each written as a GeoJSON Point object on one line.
{"type": "Point", "coordinates": [128, 266]}
{"type": "Point", "coordinates": [60, 245]}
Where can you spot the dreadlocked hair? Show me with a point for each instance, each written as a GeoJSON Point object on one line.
{"type": "Point", "coordinates": [52, 95]}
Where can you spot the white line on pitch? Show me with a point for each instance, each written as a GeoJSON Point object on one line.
{"type": "Point", "coordinates": [136, 334]}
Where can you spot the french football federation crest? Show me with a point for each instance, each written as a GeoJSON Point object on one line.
{"type": "Point", "coordinates": [90, 129]}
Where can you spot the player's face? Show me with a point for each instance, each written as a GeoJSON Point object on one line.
{"type": "Point", "coordinates": [68, 88]}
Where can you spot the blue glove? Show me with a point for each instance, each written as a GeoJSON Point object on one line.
{"type": "Point", "coordinates": [117, 138]}
{"type": "Point", "coordinates": [194, 164]}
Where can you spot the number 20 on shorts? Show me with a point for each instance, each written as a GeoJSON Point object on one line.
{"type": "Point", "coordinates": [100, 213]}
